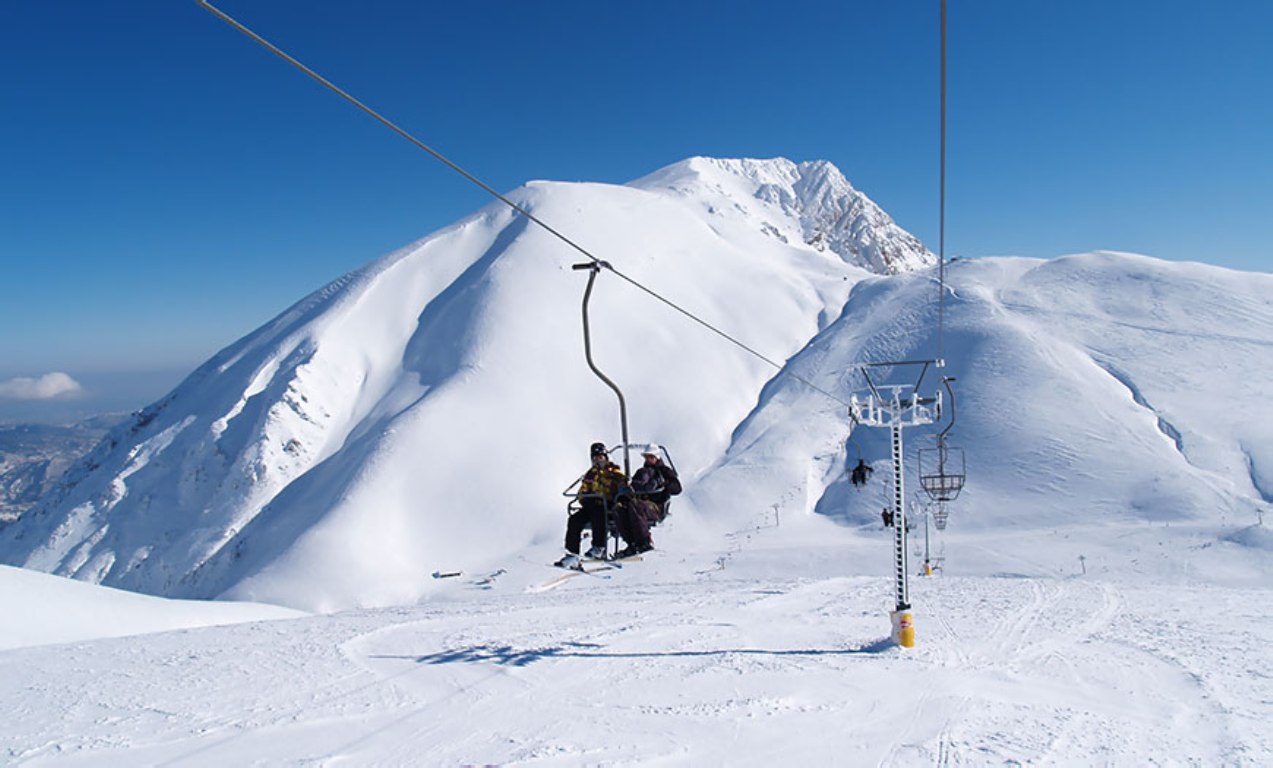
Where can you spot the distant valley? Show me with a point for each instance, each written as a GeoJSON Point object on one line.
{"type": "Point", "coordinates": [34, 456]}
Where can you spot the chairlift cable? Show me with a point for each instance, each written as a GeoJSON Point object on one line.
{"type": "Point", "coordinates": [734, 341]}
{"type": "Point", "coordinates": [941, 237]}
{"type": "Point", "coordinates": [502, 198]}
{"type": "Point", "coordinates": [388, 123]}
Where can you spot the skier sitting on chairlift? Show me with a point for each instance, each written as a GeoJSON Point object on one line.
{"type": "Point", "coordinates": [635, 513]}
{"type": "Point", "coordinates": [860, 473]}
{"type": "Point", "coordinates": [597, 491]}
{"type": "Point", "coordinates": [659, 477]}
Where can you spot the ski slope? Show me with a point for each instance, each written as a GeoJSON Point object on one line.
{"type": "Point", "coordinates": [763, 651]}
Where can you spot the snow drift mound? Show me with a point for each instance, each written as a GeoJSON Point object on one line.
{"type": "Point", "coordinates": [428, 409]}
{"type": "Point", "coordinates": [43, 610]}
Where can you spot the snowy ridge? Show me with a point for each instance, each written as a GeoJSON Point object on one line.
{"type": "Point", "coordinates": [240, 429]}
{"type": "Point", "coordinates": [825, 209]}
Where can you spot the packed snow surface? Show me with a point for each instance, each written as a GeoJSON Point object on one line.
{"type": "Point", "coordinates": [767, 650]}
{"type": "Point", "coordinates": [391, 453]}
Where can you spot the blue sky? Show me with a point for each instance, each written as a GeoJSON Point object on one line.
{"type": "Point", "coordinates": [169, 186]}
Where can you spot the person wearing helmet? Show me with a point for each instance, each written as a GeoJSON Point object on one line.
{"type": "Point", "coordinates": [659, 478]}
{"type": "Point", "coordinates": [597, 491]}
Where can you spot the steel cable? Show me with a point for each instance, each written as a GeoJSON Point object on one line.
{"type": "Point", "coordinates": [502, 198]}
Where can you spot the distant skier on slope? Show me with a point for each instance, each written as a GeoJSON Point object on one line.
{"type": "Point", "coordinates": [888, 517]}
{"type": "Point", "coordinates": [860, 473]}
{"type": "Point", "coordinates": [597, 491]}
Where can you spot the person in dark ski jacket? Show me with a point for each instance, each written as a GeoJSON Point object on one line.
{"type": "Point", "coordinates": [636, 513]}
{"type": "Point", "coordinates": [597, 492]}
{"type": "Point", "coordinates": [860, 473]}
{"type": "Point", "coordinates": [659, 477]}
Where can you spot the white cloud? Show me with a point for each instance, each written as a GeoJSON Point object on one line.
{"type": "Point", "coordinates": [48, 386]}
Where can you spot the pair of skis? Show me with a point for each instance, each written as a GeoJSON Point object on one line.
{"type": "Point", "coordinates": [592, 565]}
{"type": "Point", "coordinates": [585, 567]}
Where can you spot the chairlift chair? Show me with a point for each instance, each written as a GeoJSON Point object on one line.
{"type": "Point", "coordinates": [942, 471]}
{"type": "Point", "coordinates": [940, 515]}
{"type": "Point", "coordinates": [575, 499]}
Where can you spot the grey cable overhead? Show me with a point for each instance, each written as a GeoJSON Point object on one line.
{"type": "Point", "coordinates": [491, 191]}
{"type": "Point", "coordinates": [941, 237]}
{"type": "Point", "coordinates": [387, 123]}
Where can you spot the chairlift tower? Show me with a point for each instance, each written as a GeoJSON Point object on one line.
{"type": "Point", "coordinates": [897, 406]}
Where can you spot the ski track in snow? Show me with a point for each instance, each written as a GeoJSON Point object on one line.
{"type": "Point", "coordinates": [672, 664]}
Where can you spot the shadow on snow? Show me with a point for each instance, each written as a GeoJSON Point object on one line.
{"type": "Point", "coordinates": [517, 657]}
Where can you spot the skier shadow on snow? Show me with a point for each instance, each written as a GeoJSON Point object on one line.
{"type": "Point", "coordinates": [522, 657]}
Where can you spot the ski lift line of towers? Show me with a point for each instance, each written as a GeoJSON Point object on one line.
{"type": "Point", "coordinates": [897, 406]}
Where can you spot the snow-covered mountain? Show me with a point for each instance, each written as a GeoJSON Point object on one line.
{"type": "Point", "coordinates": [828, 213]}
{"type": "Point", "coordinates": [426, 411]}
{"type": "Point", "coordinates": [436, 401]}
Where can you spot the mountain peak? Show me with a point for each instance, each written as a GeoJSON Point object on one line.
{"type": "Point", "coordinates": [298, 441]}
{"type": "Point", "coordinates": [819, 205]}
